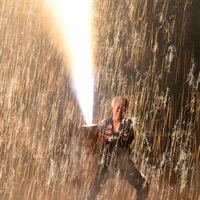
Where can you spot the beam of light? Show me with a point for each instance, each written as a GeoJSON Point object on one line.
{"type": "Point", "coordinates": [75, 16]}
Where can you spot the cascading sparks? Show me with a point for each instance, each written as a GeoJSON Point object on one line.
{"type": "Point", "coordinates": [76, 20]}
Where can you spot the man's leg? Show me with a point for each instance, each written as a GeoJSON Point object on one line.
{"type": "Point", "coordinates": [132, 175]}
{"type": "Point", "coordinates": [100, 178]}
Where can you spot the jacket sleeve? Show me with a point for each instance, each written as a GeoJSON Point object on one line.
{"type": "Point", "coordinates": [127, 132]}
{"type": "Point", "coordinates": [131, 135]}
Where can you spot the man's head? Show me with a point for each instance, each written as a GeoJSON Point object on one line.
{"type": "Point", "coordinates": [119, 107]}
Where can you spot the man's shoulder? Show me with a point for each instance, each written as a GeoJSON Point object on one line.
{"type": "Point", "coordinates": [103, 123]}
{"type": "Point", "coordinates": [127, 122]}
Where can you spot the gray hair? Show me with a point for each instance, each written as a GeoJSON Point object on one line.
{"type": "Point", "coordinates": [121, 99]}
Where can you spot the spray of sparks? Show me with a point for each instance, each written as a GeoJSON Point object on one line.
{"type": "Point", "coordinates": [76, 20]}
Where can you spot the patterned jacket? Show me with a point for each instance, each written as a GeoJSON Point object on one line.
{"type": "Point", "coordinates": [122, 138]}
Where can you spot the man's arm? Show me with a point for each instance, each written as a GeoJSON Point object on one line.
{"type": "Point", "coordinates": [101, 129]}
{"type": "Point", "coordinates": [131, 136]}
{"type": "Point", "coordinates": [127, 135]}
{"type": "Point", "coordinates": [103, 137]}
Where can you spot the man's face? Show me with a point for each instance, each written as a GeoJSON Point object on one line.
{"type": "Point", "coordinates": [118, 110]}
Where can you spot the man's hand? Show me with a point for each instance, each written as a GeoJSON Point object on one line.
{"type": "Point", "coordinates": [103, 137]}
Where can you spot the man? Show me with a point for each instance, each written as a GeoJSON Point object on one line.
{"type": "Point", "coordinates": [116, 134]}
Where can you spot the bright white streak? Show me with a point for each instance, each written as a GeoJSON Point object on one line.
{"type": "Point", "coordinates": [76, 19]}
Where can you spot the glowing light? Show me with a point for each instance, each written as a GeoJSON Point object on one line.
{"type": "Point", "coordinates": [76, 19]}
